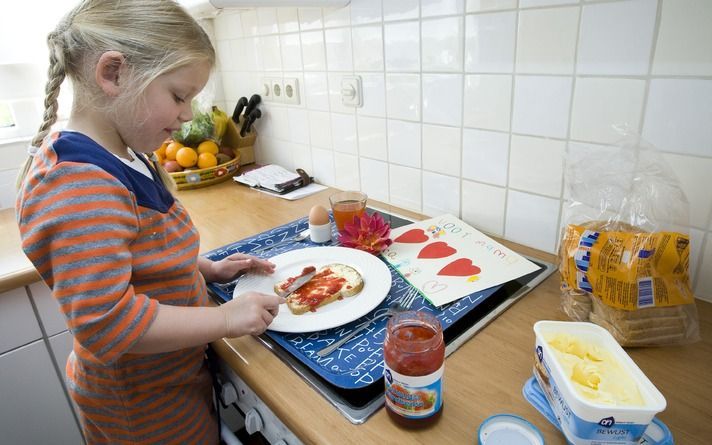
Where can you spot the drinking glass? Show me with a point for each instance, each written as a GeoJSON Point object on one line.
{"type": "Point", "coordinates": [346, 205]}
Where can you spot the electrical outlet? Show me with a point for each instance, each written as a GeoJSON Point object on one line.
{"type": "Point", "coordinates": [291, 91]}
{"type": "Point", "coordinates": [277, 90]}
{"type": "Point", "coordinates": [266, 89]}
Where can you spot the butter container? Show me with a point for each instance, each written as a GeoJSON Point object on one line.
{"type": "Point", "coordinates": [583, 421]}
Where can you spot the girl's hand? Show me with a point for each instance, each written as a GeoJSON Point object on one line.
{"type": "Point", "coordinates": [250, 313]}
{"type": "Point", "coordinates": [229, 267]}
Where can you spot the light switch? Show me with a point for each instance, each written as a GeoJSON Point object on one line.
{"type": "Point", "coordinates": [351, 91]}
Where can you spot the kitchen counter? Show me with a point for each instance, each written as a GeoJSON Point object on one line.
{"type": "Point", "coordinates": [484, 377]}
{"type": "Point", "coordinates": [15, 269]}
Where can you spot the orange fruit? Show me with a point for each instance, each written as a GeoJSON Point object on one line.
{"type": "Point", "coordinates": [160, 157]}
{"type": "Point", "coordinates": [206, 160]}
{"type": "Point", "coordinates": [186, 157]}
{"type": "Point", "coordinates": [161, 151]}
{"type": "Point", "coordinates": [208, 146]}
{"type": "Point", "coordinates": [172, 150]}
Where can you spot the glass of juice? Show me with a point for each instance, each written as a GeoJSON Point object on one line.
{"type": "Point", "coordinates": [346, 205]}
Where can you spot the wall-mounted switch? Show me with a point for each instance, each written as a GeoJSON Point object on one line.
{"type": "Point", "coordinates": [351, 92]}
{"type": "Point", "coordinates": [291, 91]}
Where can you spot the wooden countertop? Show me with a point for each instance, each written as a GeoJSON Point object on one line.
{"type": "Point", "coordinates": [484, 377]}
{"type": "Point", "coordinates": [15, 269]}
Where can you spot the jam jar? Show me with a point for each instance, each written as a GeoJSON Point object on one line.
{"type": "Point", "coordinates": [414, 362]}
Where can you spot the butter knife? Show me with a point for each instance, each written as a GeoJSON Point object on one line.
{"type": "Point", "coordinates": [306, 275]}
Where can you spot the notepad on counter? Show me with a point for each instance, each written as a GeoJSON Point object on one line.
{"type": "Point", "coordinates": [277, 180]}
{"type": "Point", "coordinates": [273, 177]}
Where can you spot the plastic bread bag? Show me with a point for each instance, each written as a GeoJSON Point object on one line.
{"type": "Point", "coordinates": [624, 248]}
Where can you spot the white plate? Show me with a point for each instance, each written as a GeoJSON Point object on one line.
{"type": "Point", "coordinates": [376, 284]}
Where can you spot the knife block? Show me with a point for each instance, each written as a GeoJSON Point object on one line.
{"type": "Point", "coordinates": [245, 145]}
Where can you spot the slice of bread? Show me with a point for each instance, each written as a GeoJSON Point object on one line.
{"type": "Point", "coordinates": [331, 282]}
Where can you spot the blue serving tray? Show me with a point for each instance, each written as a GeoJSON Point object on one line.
{"type": "Point", "coordinates": [359, 362]}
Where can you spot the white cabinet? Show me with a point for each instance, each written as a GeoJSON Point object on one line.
{"type": "Point", "coordinates": [61, 345]}
{"type": "Point", "coordinates": [34, 408]}
{"type": "Point", "coordinates": [34, 405]}
{"type": "Point", "coordinates": [47, 309]}
{"type": "Point", "coordinates": [18, 324]}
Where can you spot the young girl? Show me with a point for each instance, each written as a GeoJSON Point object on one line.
{"type": "Point", "coordinates": [117, 249]}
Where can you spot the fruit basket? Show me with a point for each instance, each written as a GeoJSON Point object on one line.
{"type": "Point", "coordinates": [193, 179]}
{"type": "Point", "coordinates": [208, 150]}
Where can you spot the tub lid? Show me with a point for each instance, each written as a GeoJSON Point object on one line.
{"type": "Point", "coordinates": [508, 429]}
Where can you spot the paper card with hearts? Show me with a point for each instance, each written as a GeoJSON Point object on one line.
{"type": "Point", "coordinates": [447, 259]}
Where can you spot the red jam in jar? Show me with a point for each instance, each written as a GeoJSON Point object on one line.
{"type": "Point", "coordinates": [414, 353]}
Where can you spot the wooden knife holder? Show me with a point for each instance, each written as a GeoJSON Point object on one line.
{"type": "Point", "coordinates": [245, 145]}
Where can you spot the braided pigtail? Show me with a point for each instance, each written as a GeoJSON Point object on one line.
{"type": "Point", "coordinates": [144, 32]}
{"type": "Point", "coordinates": [55, 76]}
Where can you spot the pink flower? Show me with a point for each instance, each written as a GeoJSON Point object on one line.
{"type": "Point", "coordinates": [369, 233]}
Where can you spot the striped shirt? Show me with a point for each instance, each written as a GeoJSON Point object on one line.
{"type": "Point", "coordinates": [112, 244]}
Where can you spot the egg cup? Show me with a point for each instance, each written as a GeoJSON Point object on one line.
{"type": "Point", "coordinates": [320, 233]}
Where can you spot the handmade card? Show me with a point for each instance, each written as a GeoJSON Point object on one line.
{"type": "Point", "coordinates": [446, 259]}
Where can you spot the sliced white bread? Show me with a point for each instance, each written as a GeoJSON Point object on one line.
{"type": "Point", "coordinates": [331, 282]}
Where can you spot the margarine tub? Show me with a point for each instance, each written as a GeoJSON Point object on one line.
{"type": "Point", "coordinates": [598, 394]}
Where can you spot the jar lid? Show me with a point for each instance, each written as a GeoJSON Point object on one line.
{"type": "Point", "coordinates": [508, 429]}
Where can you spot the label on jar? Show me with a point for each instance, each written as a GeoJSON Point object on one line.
{"type": "Point", "coordinates": [414, 397]}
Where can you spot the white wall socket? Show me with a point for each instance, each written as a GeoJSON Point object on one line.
{"type": "Point", "coordinates": [266, 89]}
{"type": "Point", "coordinates": [277, 90]}
{"type": "Point", "coordinates": [290, 91]}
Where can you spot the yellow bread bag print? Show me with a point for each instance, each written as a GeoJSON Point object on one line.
{"type": "Point", "coordinates": [627, 269]}
{"type": "Point", "coordinates": [624, 251]}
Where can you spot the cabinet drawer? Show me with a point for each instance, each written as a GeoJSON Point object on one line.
{"type": "Point", "coordinates": [61, 345]}
{"type": "Point", "coordinates": [18, 324]}
{"type": "Point", "coordinates": [48, 308]}
{"type": "Point", "coordinates": [34, 406]}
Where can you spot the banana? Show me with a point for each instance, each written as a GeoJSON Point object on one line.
{"type": "Point", "coordinates": [219, 121]}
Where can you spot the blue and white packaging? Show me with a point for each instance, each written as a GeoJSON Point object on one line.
{"type": "Point", "coordinates": [582, 421]}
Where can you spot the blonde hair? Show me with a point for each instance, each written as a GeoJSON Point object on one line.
{"type": "Point", "coordinates": [154, 36]}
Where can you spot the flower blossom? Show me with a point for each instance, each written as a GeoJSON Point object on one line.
{"type": "Point", "coordinates": [370, 233]}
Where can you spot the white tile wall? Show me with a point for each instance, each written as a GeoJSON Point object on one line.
{"type": "Point", "coordinates": [402, 46]}
{"type": "Point", "coordinates": [489, 42]}
{"type": "Point", "coordinates": [684, 39]}
{"type": "Point", "coordinates": [404, 143]}
{"type": "Point", "coordinates": [442, 44]}
{"type": "Point", "coordinates": [469, 106]}
{"type": "Point", "coordinates": [616, 38]}
{"type": "Point", "coordinates": [488, 101]}
{"type": "Point", "coordinates": [546, 40]}
{"type": "Point", "coordinates": [483, 205]}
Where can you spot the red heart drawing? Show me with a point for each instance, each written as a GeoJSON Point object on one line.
{"type": "Point", "coordinates": [462, 267]}
{"type": "Point", "coordinates": [412, 236]}
{"type": "Point", "coordinates": [439, 249]}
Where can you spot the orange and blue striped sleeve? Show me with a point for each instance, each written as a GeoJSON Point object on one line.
{"type": "Point", "coordinates": [77, 223]}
